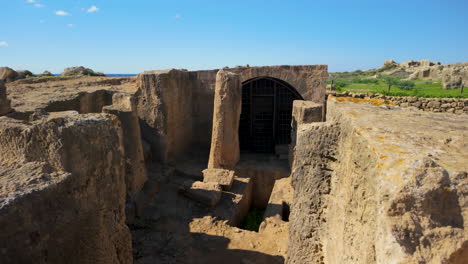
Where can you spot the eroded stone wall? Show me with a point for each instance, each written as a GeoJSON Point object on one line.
{"type": "Point", "coordinates": [62, 190]}
{"type": "Point", "coordinates": [368, 188]}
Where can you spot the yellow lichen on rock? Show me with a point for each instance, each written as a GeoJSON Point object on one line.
{"type": "Point", "coordinates": [374, 102]}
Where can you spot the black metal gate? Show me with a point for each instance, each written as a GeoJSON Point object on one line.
{"type": "Point", "coordinates": [265, 119]}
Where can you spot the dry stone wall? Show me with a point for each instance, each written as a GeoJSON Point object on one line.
{"type": "Point", "coordinates": [62, 190]}
{"type": "Point", "coordinates": [437, 105]}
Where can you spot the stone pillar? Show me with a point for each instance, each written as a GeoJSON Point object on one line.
{"type": "Point", "coordinates": [224, 152]}
{"type": "Point", "coordinates": [164, 100]}
{"type": "Point", "coordinates": [304, 112]}
{"type": "Point", "coordinates": [4, 102]}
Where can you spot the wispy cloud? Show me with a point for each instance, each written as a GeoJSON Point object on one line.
{"type": "Point", "coordinates": [61, 13]}
{"type": "Point", "coordinates": [178, 16]}
{"type": "Point", "coordinates": [92, 9]}
{"type": "Point", "coordinates": [70, 25]}
{"type": "Point", "coordinates": [3, 44]}
{"type": "Point", "coordinates": [38, 5]}
{"type": "Point", "coordinates": [30, 1]}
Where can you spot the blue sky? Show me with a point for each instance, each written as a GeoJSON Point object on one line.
{"type": "Point", "coordinates": [123, 36]}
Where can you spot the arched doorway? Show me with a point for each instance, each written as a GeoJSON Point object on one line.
{"type": "Point", "coordinates": [265, 119]}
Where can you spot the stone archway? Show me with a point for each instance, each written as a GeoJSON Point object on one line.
{"type": "Point", "coordinates": [265, 120]}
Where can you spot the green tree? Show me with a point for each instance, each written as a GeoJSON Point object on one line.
{"type": "Point", "coordinates": [389, 80]}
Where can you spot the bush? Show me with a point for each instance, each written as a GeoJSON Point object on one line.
{"type": "Point", "coordinates": [405, 85]}
{"type": "Point", "coordinates": [340, 83]}
{"type": "Point", "coordinates": [365, 81]}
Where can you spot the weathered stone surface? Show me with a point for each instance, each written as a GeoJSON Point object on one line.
{"type": "Point", "coordinates": [4, 102]}
{"type": "Point", "coordinates": [222, 177]}
{"type": "Point", "coordinates": [310, 177]}
{"type": "Point", "coordinates": [224, 152]}
{"type": "Point", "coordinates": [207, 193]}
{"type": "Point", "coordinates": [235, 203]}
{"type": "Point", "coordinates": [280, 200]}
{"type": "Point", "coordinates": [304, 112]}
{"type": "Point", "coordinates": [307, 112]}
{"type": "Point", "coordinates": [24, 74]}
{"type": "Point", "coordinates": [62, 191]}
{"type": "Point", "coordinates": [455, 76]}
{"type": "Point", "coordinates": [164, 100]}
{"type": "Point", "coordinates": [308, 80]}
{"type": "Point", "coordinates": [7, 74]}
{"type": "Point", "coordinates": [124, 107]}
{"type": "Point", "coordinates": [376, 191]}
{"type": "Point", "coordinates": [389, 62]}
{"type": "Point", "coordinates": [82, 94]}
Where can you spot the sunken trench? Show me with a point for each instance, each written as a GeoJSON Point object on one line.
{"type": "Point", "coordinates": [242, 165]}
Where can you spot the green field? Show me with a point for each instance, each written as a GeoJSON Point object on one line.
{"type": "Point", "coordinates": [352, 83]}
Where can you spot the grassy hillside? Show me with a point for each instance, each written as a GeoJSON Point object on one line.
{"type": "Point", "coordinates": [366, 82]}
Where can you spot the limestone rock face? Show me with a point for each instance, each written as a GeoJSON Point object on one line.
{"type": "Point", "coordinates": [62, 191]}
{"type": "Point", "coordinates": [304, 112]}
{"type": "Point", "coordinates": [389, 62]}
{"type": "Point", "coordinates": [164, 100]}
{"type": "Point", "coordinates": [22, 74]}
{"type": "Point", "coordinates": [124, 107]}
{"type": "Point", "coordinates": [307, 112]}
{"type": "Point", "coordinates": [7, 74]}
{"type": "Point", "coordinates": [454, 76]}
{"type": "Point", "coordinates": [375, 191]}
{"type": "Point", "coordinates": [4, 102]}
{"type": "Point", "coordinates": [224, 152]}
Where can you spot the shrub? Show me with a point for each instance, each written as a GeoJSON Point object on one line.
{"type": "Point", "coordinates": [365, 81]}
{"type": "Point", "coordinates": [405, 85]}
{"type": "Point", "coordinates": [340, 83]}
